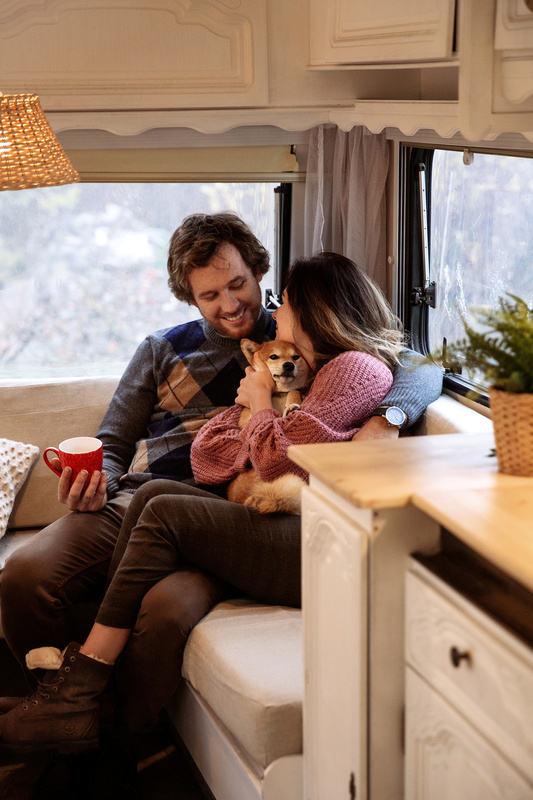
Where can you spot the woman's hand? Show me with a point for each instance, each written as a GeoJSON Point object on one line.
{"type": "Point", "coordinates": [255, 389]}
{"type": "Point", "coordinates": [376, 428]}
{"type": "Point", "coordinates": [75, 498]}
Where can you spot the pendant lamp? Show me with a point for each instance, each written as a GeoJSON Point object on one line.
{"type": "Point", "coordinates": [30, 154]}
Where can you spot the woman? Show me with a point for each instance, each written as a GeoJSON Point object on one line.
{"type": "Point", "coordinates": [342, 325]}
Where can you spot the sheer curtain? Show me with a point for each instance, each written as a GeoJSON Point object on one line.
{"type": "Point", "coordinates": [345, 196]}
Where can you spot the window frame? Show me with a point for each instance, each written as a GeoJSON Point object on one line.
{"type": "Point", "coordinates": [410, 271]}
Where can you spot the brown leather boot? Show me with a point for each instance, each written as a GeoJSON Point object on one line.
{"type": "Point", "coordinates": [9, 703]}
{"type": "Point", "coordinates": [107, 702]}
{"type": "Point", "coordinates": [63, 713]}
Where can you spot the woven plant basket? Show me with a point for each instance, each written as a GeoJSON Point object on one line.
{"type": "Point", "coordinates": [512, 417]}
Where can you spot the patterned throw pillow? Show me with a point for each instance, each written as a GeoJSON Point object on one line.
{"type": "Point", "coordinates": [16, 460]}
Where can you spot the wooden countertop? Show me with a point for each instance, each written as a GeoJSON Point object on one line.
{"type": "Point", "coordinates": [386, 473]}
{"type": "Point", "coordinates": [451, 477]}
{"type": "Point", "coordinates": [496, 523]}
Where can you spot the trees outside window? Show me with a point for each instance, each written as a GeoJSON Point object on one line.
{"type": "Point", "coordinates": [83, 273]}
{"type": "Point", "coordinates": [481, 236]}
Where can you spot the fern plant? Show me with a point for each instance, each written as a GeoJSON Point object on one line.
{"type": "Point", "coordinates": [503, 351]}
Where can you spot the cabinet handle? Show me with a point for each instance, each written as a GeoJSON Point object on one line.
{"type": "Point", "coordinates": [457, 656]}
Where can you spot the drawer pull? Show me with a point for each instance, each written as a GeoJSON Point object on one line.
{"type": "Point", "coordinates": [457, 656]}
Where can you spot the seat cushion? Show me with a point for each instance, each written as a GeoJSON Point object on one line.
{"type": "Point", "coordinates": [245, 660]}
{"type": "Point", "coordinates": [45, 414]}
{"type": "Point", "coordinates": [447, 415]}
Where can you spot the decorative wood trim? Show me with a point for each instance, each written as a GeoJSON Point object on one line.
{"type": "Point", "coordinates": [220, 120]}
{"type": "Point", "coordinates": [406, 115]}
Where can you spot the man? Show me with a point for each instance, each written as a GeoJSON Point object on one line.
{"type": "Point", "coordinates": [177, 379]}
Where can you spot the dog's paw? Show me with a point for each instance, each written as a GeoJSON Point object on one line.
{"type": "Point", "coordinates": [262, 504]}
{"type": "Point", "coordinates": [291, 407]}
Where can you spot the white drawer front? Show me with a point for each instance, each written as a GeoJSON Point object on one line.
{"type": "Point", "coordinates": [492, 686]}
{"type": "Point", "coordinates": [446, 759]}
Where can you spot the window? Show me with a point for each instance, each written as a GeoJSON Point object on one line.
{"type": "Point", "coordinates": [479, 238]}
{"type": "Point", "coordinates": [83, 273]}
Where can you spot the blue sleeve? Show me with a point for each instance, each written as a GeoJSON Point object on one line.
{"type": "Point", "coordinates": [128, 416]}
{"type": "Point", "coordinates": [417, 383]}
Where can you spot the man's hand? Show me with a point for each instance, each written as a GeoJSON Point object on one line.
{"type": "Point", "coordinates": [376, 428]}
{"type": "Point", "coordinates": [92, 499]}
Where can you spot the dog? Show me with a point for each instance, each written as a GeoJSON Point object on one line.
{"type": "Point", "coordinates": [292, 376]}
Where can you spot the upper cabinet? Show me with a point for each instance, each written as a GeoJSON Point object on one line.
{"type": "Point", "coordinates": [130, 65]}
{"type": "Point", "coordinates": [380, 32]}
{"type": "Point", "coordinates": [513, 44]}
{"type": "Point", "coordinates": [489, 43]}
{"type": "Point", "coordinates": [496, 71]}
{"type": "Point", "coordinates": [211, 65]}
{"type": "Point", "coordinates": [135, 54]}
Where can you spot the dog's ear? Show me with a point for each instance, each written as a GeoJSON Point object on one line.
{"type": "Point", "coordinates": [249, 348]}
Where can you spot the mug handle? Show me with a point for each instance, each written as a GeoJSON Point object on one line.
{"type": "Point", "coordinates": [45, 458]}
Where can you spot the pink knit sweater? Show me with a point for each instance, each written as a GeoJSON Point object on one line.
{"type": "Point", "coordinates": [343, 394]}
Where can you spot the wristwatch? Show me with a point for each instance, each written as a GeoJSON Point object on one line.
{"type": "Point", "coordinates": [395, 417]}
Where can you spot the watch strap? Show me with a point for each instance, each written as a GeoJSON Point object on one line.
{"type": "Point", "coordinates": [380, 411]}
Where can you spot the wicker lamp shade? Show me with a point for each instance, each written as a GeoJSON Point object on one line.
{"type": "Point", "coordinates": [30, 154]}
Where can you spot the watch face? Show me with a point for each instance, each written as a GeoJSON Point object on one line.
{"type": "Point", "coordinates": [395, 416]}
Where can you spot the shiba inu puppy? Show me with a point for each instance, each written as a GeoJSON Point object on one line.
{"type": "Point", "coordinates": [292, 376]}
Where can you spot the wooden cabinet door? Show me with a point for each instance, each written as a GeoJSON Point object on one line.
{"type": "Point", "coordinates": [334, 552]}
{"type": "Point", "coordinates": [384, 31]}
{"type": "Point", "coordinates": [496, 69]}
{"type": "Point", "coordinates": [513, 45]}
{"type": "Point", "coordinates": [136, 54]}
{"type": "Point", "coordinates": [491, 684]}
{"type": "Point", "coordinates": [447, 759]}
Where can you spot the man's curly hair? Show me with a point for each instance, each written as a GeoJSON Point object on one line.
{"type": "Point", "coordinates": [196, 241]}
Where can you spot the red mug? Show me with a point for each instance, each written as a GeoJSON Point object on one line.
{"type": "Point", "coordinates": [81, 452]}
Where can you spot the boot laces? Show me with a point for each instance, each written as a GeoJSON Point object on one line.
{"type": "Point", "coordinates": [42, 692]}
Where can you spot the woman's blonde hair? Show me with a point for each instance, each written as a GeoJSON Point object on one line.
{"type": "Point", "coordinates": [339, 308]}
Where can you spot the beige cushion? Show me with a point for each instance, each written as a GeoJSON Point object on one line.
{"type": "Point", "coordinates": [245, 660]}
{"type": "Point", "coordinates": [446, 415]}
{"type": "Point", "coordinates": [16, 460]}
{"type": "Point", "coordinates": [43, 415]}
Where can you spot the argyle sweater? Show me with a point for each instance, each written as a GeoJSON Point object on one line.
{"type": "Point", "coordinates": [178, 379]}
{"type": "Point", "coordinates": [341, 398]}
